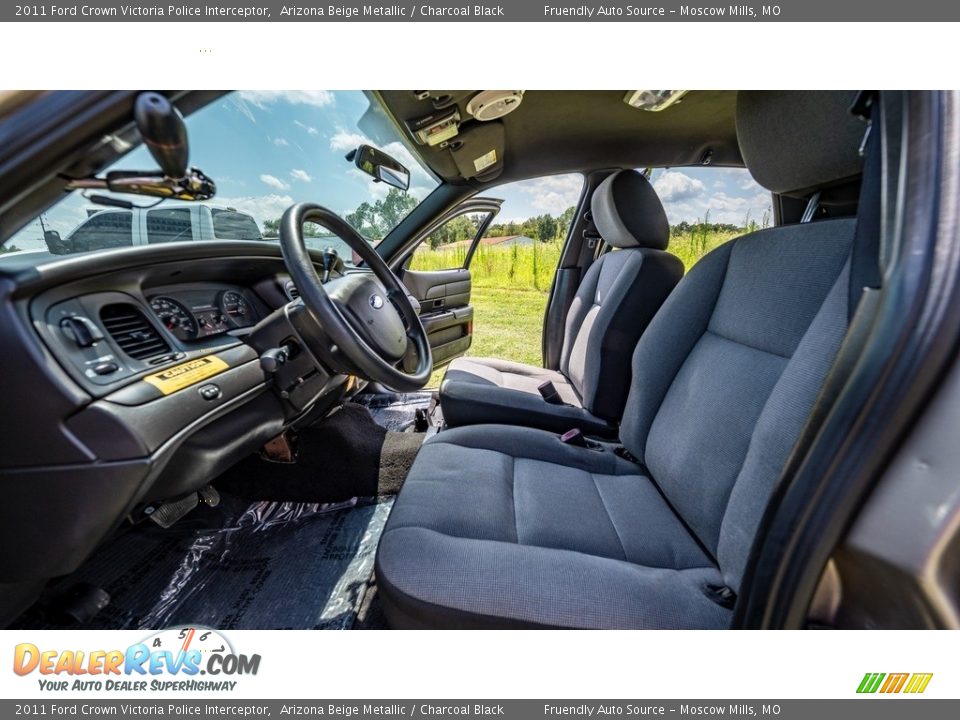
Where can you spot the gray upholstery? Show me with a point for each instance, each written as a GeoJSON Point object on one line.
{"type": "Point", "coordinates": [730, 345]}
{"type": "Point", "coordinates": [628, 213]}
{"type": "Point", "coordinates": [617, 298]}
{"type": "Point", "coordinates": [510, 375]}
{"type": "Point", "coordinates": [470, 402]}
{"type": "Point", "coordinates": [488, 390]}
{"type": "Point", "coordinates": [795, 142]}
{"type": "Point", "coordinates": [555, 542]}
{"type": "Point", "coordinates": [508, 527]}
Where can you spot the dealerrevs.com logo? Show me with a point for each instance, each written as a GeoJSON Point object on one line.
{"type": "Point", "coordinates": [892, 683]}
{"type": "Point", "coordinates": [173, 659]}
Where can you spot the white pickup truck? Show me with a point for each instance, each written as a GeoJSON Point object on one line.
{"type": "Point", "coordinates": [112, 228]}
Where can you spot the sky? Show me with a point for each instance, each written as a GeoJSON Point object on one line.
{"type": "Point", "coordinates": [269, 149]}
{"type": "Point", "coordinates": [730, 195]}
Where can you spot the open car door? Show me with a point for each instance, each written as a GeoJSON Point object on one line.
{"type": "Point", "coordinates": [437, 273]}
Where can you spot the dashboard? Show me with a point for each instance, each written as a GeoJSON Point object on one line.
{"type": "Point", "coordinates": [134, 376]}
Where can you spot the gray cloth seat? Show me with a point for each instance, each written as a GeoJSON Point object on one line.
{"type": "Point", "coordinates": [556, 532]}
{"type": "Point", "coordinates": [490, 390]}
{"type": "Point", "coordinates": [618, 296]}
{"type": "Point", "coordinates": [502, 526]}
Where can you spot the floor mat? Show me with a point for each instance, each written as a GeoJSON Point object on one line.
{"type": "Point", "coordinates": [265, 565]}
{"type": "Point", "coordinates": [347, 454]}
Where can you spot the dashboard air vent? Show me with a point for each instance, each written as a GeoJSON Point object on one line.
{"type": "Point", "coordinates": [132, 331]}
{"type": "Point", "coordinates": [291, 290]}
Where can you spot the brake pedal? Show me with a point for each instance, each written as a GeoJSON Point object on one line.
{"type": "Point", "coordinates": [166, 514]}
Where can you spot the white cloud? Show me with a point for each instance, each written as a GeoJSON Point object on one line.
{"type": "Point", "coordinates": [552, 194]}
{"type": "Point", "coordinates": [301, 175]}
{"type": "Point", "coordinates": [732, 197]}
{"type": "Point", "coordinates": [280, 142]}
{"type": "Point", "coordinates": [343, 140]}
{"type": "Point", "coordinates": [264, 207]}
{"type": "Point", "coordinates": [303, 126]}
{"type": "Point", "coordinates": [674, 186]}
{"type": "Point", "coordinates": [274, 182]}
{"type": "Point", "coordinates": [263, 98]}
{"type": "Point", "coordinates": [374, 190]}
{"type": "Point", "coordinates": [722, 208]}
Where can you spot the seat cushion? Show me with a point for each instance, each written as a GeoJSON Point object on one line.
{"type": "Point", "coordinates": [567, 537]}
{"type": "Point", "coordinates": [478, 391]}
{"type": "Point", "coordinates": [492, 372]}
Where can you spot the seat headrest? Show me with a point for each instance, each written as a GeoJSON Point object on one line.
{"type": "Point", "coordinates": [794, 142]}
{"type": "Point", "coordinates": [628, 213]}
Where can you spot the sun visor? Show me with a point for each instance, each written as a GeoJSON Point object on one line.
{"type": "Point", "coordinates": [478, 151]}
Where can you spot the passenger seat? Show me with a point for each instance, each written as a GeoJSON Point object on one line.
{"type": "Point", "coordinates": [619, 295]}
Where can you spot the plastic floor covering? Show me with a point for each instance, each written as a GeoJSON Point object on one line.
{"type": "Point", "coordinates": [395, 411]}
{"type": "Point", "coordinates": [266, 565]}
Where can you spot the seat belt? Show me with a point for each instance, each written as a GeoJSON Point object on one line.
{"type": "Point", "coordinates": [865, 252]}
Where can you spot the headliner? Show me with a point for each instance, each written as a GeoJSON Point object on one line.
{"type": "Point", "coordinates": [558, 131]}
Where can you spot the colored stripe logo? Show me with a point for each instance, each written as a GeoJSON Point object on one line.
{"type": "Point", "coordinates": [887, 683]}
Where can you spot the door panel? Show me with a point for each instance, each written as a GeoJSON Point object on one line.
{"type": "Point", "coordinates": [444, 295]}
{"type": "Point", "coordinates": [445, 310]}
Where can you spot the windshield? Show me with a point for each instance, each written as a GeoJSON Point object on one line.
{"type": "Point", "coordinates": [265, 151]}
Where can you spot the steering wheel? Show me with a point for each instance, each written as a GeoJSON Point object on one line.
{"type": "Point", "coordinates": [367, 317]}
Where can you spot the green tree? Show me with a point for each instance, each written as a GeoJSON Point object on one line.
{"type": "Point", "coordinates": [376, 220]}
{"type": "Point", "coordinates": [8, 249]}
{"type": "Point", "coordinates": [271, 228]}
{"type": "Point", "coordinates": [546, 227]}
{"type": "Point", "coordinates": [565, 221]}
{"type": "Point", "coordinates": [460, 228]}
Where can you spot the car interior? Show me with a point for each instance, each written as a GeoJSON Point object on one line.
{"type": "Point", "coordinates": [236, 433]}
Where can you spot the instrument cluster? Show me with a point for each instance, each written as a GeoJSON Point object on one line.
{"type": "Point", "coordinates": [196, 314]}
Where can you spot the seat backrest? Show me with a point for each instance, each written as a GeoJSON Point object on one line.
{"type": "Point", "coordinates": [619, 294]}
{"type": "Point", "coordinates": [729, 369]}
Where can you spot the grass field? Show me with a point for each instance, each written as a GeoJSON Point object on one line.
{"type": "Point", "coordinates": [511, 285]}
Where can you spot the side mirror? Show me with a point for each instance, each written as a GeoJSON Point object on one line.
{"type": "Point", "coordinates": [380, 166]}
{"type": "Point", "coordinates": [55, 243]}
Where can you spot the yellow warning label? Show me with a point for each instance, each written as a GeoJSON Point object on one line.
{"type": "Point", "coordinates": [186, 374]}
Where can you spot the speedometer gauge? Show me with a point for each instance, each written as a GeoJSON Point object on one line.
{"type": "Point", "coordinates": [235, 307]}
{"type": "Point", "coordinates": [175, 317]}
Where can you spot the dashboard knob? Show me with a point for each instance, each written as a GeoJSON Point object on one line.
{"type": "Point", "coordinates": [80, 330]}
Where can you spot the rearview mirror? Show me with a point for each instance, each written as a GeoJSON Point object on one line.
{"type": "Point", "coordinates": [380, 166]}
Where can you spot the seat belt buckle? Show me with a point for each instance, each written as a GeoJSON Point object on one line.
{"type": "Point", "coordinates": [574, 437]}
{"type": "Point", "coordinates": [548, 391]}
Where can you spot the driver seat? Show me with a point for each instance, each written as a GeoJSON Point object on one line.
{"type": "Point", "coordinates": [617, 298]}
{"type": "Point", "coordinates": [508, 527]}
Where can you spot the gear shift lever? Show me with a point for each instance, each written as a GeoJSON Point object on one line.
{"type": "Point", "coordinates": [330, 259]}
